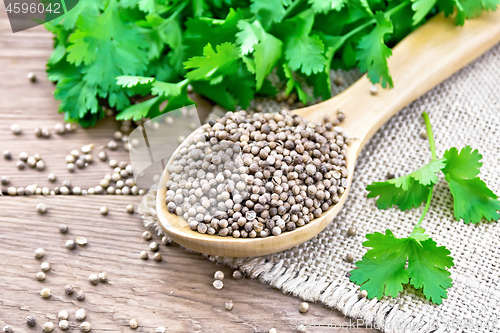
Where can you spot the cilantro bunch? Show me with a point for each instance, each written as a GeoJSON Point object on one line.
{"type": "Point", "coordinates": [392, 262]}
{"type": "Point", "coordinates": [225, 49]}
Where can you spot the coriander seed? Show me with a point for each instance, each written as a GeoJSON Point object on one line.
{"type": "Point", "coordinates": [304, 307]}
{"type": "Point", "coordinates": [8, 329]}
{"type": "Point", "coordinates": [103, 277]}
{"type": "Point", "coordinates": [93, 279]}
{"type": "Point", "coordinates": [352, 231]}
{"type": "Point", "coordinates": [63, 315]}
{"type": "Point", "coordinates": [64, 325]}
{"type": "Point", "coordinates": [301, 329]}
{"type": "Point", "coordinates": [39, 253]}
{"type": "Point", "coordinates": [133, 323]}
{"type": "Point", "coordinates": [5, 180]}
{"type": "Point", "coordinates": [85, 326]}
{"type": "Point", "coordinates": [349, 257]}
{"type": "Point", "coordinates": [112, 145]}
{"type": "Point", "coordinates": [229, 305]}
{"type": "Point", "coordinates": [218, 284]}
{"type": "Point", "coordinates": [374, 90]}
{"type": "Point", "coordinates": [40, 165]}
{"type": "Point", "coordinates": [45, 293]}
{"type": "Point", "coordinates": [104, 210]}
{"type": "Point", "coordinates": [41, 208]}
{"type": "Point", "coordinates": [7, 155]}
{"type": "Point", "coordinates": [273, 330]}
{"type": "Point", "coordinates": [80, 295]}
{"type": "Point", "coordinates": [147, 235]}
{"type": "Point", "coordinates": [165, 240]}
{"type": "Point", "coordinates": [40, 276]}
{"type": "Point", "coordinates": [154, 246]}
{"type": "Point", "coordinates": [45, 266]}
{"type": "Point", "coordinates": [237, 275]}
{"type": "Point", "coordinates": [31, 77]}
{"type": "Point", "coordinates": [48, 327]}
{"type": "Point", "coordinates": [70, 244]}
{"type": "Point", "coordinates": [30, 321]}
{"type": "Point", "coordinates": [219, 275]}
{"type": "Point", "coordinates": [21, 165]}
{"type": "Point", "coordinates": [16, 129]}
{"type": "Point", "coordinates": [157, 256]}
{"type": "Point", "coordinates": [63, 228]}
{"type": "Point", "coordinates": [103, 156]}
{"type": "Point", "coordinates": [80, 314]}
{"type": "Point", "coordinates": [363, 294]}
{"type": "Point", "coordinates": [144, 255]}
{"type": "Point", "coordinates": [59, 128]}
{"type": "Point", "coordinates": [81, 240]}
{"type": "Point", "coordinates": [160, 329]}
{"type": "Point", "coordinates": [130, 209]}
{"type": "Point", "coordinates": [51, 177]}
{"type": "Point", "coordinates": [69, 289]}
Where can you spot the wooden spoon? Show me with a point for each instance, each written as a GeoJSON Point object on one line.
{"type": "Point", "coordinates": [419, 62]}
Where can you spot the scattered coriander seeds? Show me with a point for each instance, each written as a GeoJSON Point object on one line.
{"type": "Point", "coordinates": [349, 257]}
{"type": "Point", "coordinates": [104, 210]}
{"type": "Point", "coordinates": [103, 277]}
{"type": "Point", "coordinates": [103, 156]}
{"type": "Point", "coordinates": [237, 275]}
{"type": "Point", "coordinates": [8, 329]}
{"type": "Point", "coordinates": [20, 165]}
{"type": "Point", "coordinates": [51, 177]}
{"type": "Point", "coordinates": [5, 180]}
{"type": "Point", "coordinates": [45, 293]}
{"type": "Point", "coordinates": [304, 307]}
{"type": "Point", "coordinates": [70, 167]}
{"type": "Point", "coordinates": [16, 129]}
{"type": "Point", "coordinates": [218, 284]}
{"type": "Point", "coordinates": [70, 244]}
{"type": "Point", "coordinates": [48, 327]}
{"type": "Point", "coordinates": [154, 246]}
{"type": "Point", "coordinates": [45, 266]}
{"type": "Point", "coordinates": [81, 240]}
{"type": "Point", "coordinates": [85, 326]}
{"type": "Point", "coordinates": [69, 289]}
{"type": "Point", "coordinates": [63, 228]}
{"type": "Point", "coordinates": [41, 208]}
{"type": "Point", "coordinates": [374, 90]}
{"type": "Point", "coordinates": [40, 276]}
{"type": "Point", "coordinates": [144, 255]}
{"type": "Point", "coordinates": [130, 209]}
{"type": "Point", "coordinates": [93, 279]}
{"type": "Point", "coordinates": [363, 294]}
{"type": "Point", "coordinates": [80, 295]}
{"type": "Point", "coordinates": [157, 256]}
{"type": "Point", "coordinates": [40, 165]}
{"type": "Point", "coordinates": [7, 155]}
{"type": "Point", "coordinates": [112, 145]}
{"type": "Point", "coordinates": [219, 275]}
{"type": "Point", "coordinates": [30, 321]}
{"type": "Point", "coordinates": [39, 253]}
{"type": "Point", "coordinates": [59, 128]}
{"type": "Point", "coordinates": [133, 323]}
{"type": "Point", "coordinates": [80, 314]}
{"type": "Point", "coordinates": [352, 231]}
{"type": "Point", "coordinates": [147, 235]}
{"type": "Point", "coordinates": [423, 134]}
{"type": "Point", "coordinates": [229, 305]}
{"type": "Point", "coordinates": [64, 325]}
{"type": "Point", "coordinates": [31, 77]}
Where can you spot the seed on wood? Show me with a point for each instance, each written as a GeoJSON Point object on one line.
{"type": "Point", "coordinates": [349, 257]}
{"type": "Point", "coordinates": [218, 284]}
{"type": "Point", "coordinates": [20, 165]}
{"type": "Point", "coordinates": [147, 235]}
{"type": "Point", "coordinates": [219, 275]}
{"type": "Point", "coordinates": [45, 266]}
{"type": "Point", "coordinates": [103, 156]}
{"type": "Point", "coordinates": [63, 228]}
{"type": "Point", "coordinates": [45, 133]}
{"type": "Point", "coordinates": [373, 90]}
{"type": "Point", "coordinates": [70, 167]}
{"type": "Point", "coordinates": [41, 208]}
{"type": "Point", "coordinates": [153, 246]}
{"type": "Point", "coordinates": [104, 210]}
{"type": "Point", "coordinates": [70, 244]}
{"type": "Point", "coordinates": [237, 275]}
{"type": "Point", "coordinates": [144, 255]}
{"type": "Point", "coordinates": [64, 325]}
{"type": "Point", "coordinates": [133, 323]}
{"type": "Point", "coordinates": [273, 330]}
{"type": "Point", "coordinates": [130, 209]}
{"type": "Point", "coordinates": [45, 293]}
{"type": "Point", "coordinates": [70, 127]}
{"type": "Point", "coordinates": [363, 294]}
{"type": "Point", "coordinates": [103, 277]}
{"type": "Point", "coordinates": [76, 190]}
{"type": "Point", "coordinates": [39, 253]}
{"type": "Point", "coordinates": [59, 128]}
{"type": "Point", "coordinates": [51, 177]}
{"type": "Point", "coordinates": [80, 314]}
{"type": "Point", "coordinates": [112, 145]}
{"type": "Point", "coordinates": [229, 305]}
{"type": "Point", "coordinates": [80, 295]}
{"type": "Point", "coordinates": [352, 231]}
{"type": "Point", "coordinates": [87, 148]}
{"type": "Point", "coordinates": [69, 289]}
{"type": "Point", "coordinates": [7, 155]}
{"type": "Point", "coordinates": [157, 256]}
{"type": "Point", "coordinates": [38, 132]}
{"type": "Point", "coordinates": [16, 129]}
{"type": "Point", "coordinates": [166, 241]}
{"type": "Point", "coordinates": [93, 279]}
{"type": "Point", "coordinates": [48, 327]}
{"type": "Point", "coordinates": [40, 165]}
{"type": "Point", "coordinates": [40, 276]}
{"type": "Point", "coordinates": [31, 77]}
{"type": "Point", "coordinates": [304, 307]}
{"type": "Point", "coordinates": [85, 326]}
{"type": "Point", "coordinates": [31, 162]}
{"type": "Point", "coordinates": [301, 328]}
{"type": "Point", "coordinates": [31, 321]}
{"type": "Point", "coordinates": [160, 329]}
{"type": "Point", "coordinates": [81, 240]}
{"type": "Point", "coordinates": [8, 329]}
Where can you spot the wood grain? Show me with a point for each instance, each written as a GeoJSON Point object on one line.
{"type": "Point", "coordinates": [176, 293]}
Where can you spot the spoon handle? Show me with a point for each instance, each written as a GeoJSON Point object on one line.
{"type": "Point", "coordinates": [419, 62]}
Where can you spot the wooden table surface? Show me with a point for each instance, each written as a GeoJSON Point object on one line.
{"type": "Point", "coordinates": [176, 293]}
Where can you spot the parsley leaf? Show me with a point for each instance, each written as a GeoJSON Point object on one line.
{"type": "Point", "coordinates": [472, 199]}
{"type": "Point", "coordinates": [324, 6]}
{"type": "Point", "coordinates": [382, 269]}
{"type": "Point", "coordinates": [373, 53]}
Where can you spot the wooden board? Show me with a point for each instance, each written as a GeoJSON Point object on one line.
{"type": "Point", "coordinates": [176, 293]}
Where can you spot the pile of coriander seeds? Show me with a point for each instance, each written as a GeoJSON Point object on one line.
{"type": "Point", "coordinates": [258, 175]}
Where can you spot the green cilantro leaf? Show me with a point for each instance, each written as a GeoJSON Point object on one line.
{"type": "Point", "coordinates": [373, 53]}
{"type": "Point", "coordinates": [223, 60]}
{"type": "Point", "coordinates": [248, 35]}
{"type": "Point", "coordinates": [324, 6]}
{"type": "Point", "coordinates": [472, 199]}
{"type": "Point", "coordinates": [268, 11]}
{"type": "Point", "coordinates": [382, 269]}
{"type": "Point", "coordinates": [407, 191]}
{"type": "Point", "coordinates": [421, 8]}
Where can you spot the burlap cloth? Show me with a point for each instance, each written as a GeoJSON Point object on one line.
{"type": "Point", "coordinates": [464, 110]}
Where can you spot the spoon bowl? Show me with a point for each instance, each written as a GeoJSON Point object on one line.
{"type": "Point", "coordinates": [419, 62]}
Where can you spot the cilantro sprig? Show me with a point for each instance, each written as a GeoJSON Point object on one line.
{"type": "Point", "coordinates": [417, 260]}
{"type": "Point", "coordinates": [226, 50]}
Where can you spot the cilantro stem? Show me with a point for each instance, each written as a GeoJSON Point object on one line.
{"type": "Point", "coordinates": [292, 7]}
{"type": "Point", "coordinates": [426, 208]}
